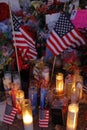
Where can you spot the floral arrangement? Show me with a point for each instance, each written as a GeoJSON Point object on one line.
{"type": "Point", "coordinates": [33, 14]}
{"type": "Point", "coordinates": [6, 49]}
{"type": "Point", "coordinates": [71, 60]}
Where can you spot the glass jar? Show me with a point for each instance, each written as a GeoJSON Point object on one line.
{"type": "Point", "coordinates": [45, 74]}
{"type": "Point", "coordinates": [27, 114]}
{"type": "Point", "coordinates": [19, 100]}
{"type": "Point", "coordinates": [16, 79]}
{"type": "Point", "coordinates": [14, 89]}
{"type": "Point", "coordinates": [32, 94]}
{"type": "Point", "coordinates": [72, 117]}
{"type": "Point", "coordinates": [59, 84]}
{"type": "Point", "coordinates": [2, 105]}
{"type": "Point", "coordinates": [7, 82]}
{"type": "Point", "coordinates": [68, 85]}
{"type": "Point", "coordinates": [75, 94]}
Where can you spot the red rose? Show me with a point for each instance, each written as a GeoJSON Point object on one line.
{"type": "Point", "coordinates": [4, 11]}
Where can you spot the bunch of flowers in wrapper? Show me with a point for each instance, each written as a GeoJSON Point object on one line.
{"type": "Point", "coordinates": [6, 49]}
{"type": "Point", "coordinates": [71, 60]}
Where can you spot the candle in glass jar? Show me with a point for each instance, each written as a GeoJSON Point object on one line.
{"type": "Point", "coordinates": [19, 99]}
{"type": "Point", "coordinates": [27, 116]}
{"type": "Point", "coordinates": [7, 82]}
{"type": "Point", "coordinates": [80, 87]}
{"type": "Point", "coordinates": [72, 116]}
{"type": "Point", "coordinates": [16, 80]}
{"type": "Point", "coordinates": [45, 74]}
{"type": "Point", "coordinates": [59, 84]}
{"type": "Point", "coordinates": [75, 94]}
{"type": "Point", "coordinates": [14, 89]}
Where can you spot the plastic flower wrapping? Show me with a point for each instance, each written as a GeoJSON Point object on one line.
{"type": "Point", "coordinates": [6, 49]}
{"type": "Point", "coordinates": [71, 60]}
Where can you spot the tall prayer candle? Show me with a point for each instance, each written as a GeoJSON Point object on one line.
{"type": "Point", "coordinates": [7, 82]}
{"type": "Point", "coordinates": [75, 95]}
{"type": "Point", "coordinates": [80, 87]}
{"type": "Point", "coordinates": [14, 89]}
{"type": "Point", "coordinates": [59, 84]}
{"type": "Point", "coordinates": [72, 117]}
{"type": "Point", "coordinates": [19, 99]}
{"type": "Point", "coordinates": [27, 116]}
{"type": "Point", "coordinates": [33, 97]}
{"type": "Point", "coordinates": [45, 74]}
{"type": "Point", "coordinates": [16, 80]}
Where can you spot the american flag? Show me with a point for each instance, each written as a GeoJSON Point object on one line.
{"type": "Point", "coordinates": [43, 118]}
{"type": "Point", "coordinates": [64, 35]}
{"type": "Point", "coordinates": [9, 115]}
{"type": "Point", "coordinates": [22, 40]}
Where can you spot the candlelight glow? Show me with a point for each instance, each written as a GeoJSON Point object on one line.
{"type": "Point", "coordinates": [27, 118]}
{"type": "Point", "coordinates": [72, 117]}
{"type": "Point", "coordinates": [59, 83]}
{"type": "Point", "coordinates": [19, 100]}
{"type": "Point", "coordinates": [27, 114]}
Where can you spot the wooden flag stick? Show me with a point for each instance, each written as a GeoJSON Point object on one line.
{"type": "Point", "coordinates": [53, 67]}
{"type": "Point", "coordinates": [14, 41]}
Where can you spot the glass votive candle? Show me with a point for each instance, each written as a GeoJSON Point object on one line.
{"type": "Point", "coordinates": [59, 84]}
{"type": "Point", "coordinates": [14, 89]}
{"type": "Point", "coordinates": [7, 82]}
{"type": "Point", "coordinates": [27, 114]}
{"type": "Point", "coordinates": [46, 74]}
{"type": "Point", "coordinates": [32, 95]}
{"type": "Point", "coordinates": [72, 117]}
{"type": "Point", "coordinates": [16, 79]}
{"type": "Point", "coordinates": [68, 85]}
{"type": "Point", "coordinates": [2, 105]}
{"type": "Point", "coordinates": [75, 94]}
{"type": "Point", "coordinates": [79, 85]}
{"type": "Point", "coordinates": [19, 98]}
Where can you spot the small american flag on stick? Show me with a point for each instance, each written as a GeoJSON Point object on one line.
{"type": "Point", "coordinates": [64, 35]}
{"type": "Point", "coordinates": [23, 40]}
{"type": "Point", "coordinates": [43, 118]}
{"type": "Point", "coordinates": [9, 115]}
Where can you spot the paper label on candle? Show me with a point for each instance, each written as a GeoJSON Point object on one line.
{"type": "Point", "coordinates": [33, 98]}
{"type": "Point", "coordinates": [18, 103]}
{"type": "Point", "coordinates": [71, 116]}
{"type": "Point", "coordinates": [28, 127]}
{"type": "Point", "coordinates": [43, 97]}
{"type": "Point", "coordinates": [72, 120]}
{"type": "Point", "coordinates": [45, 74]}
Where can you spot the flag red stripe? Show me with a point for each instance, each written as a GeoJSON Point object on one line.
{"type": "Point", "coordinates": [44, 121]}
{"type": "Point", "coordinates": [77, 42]}
{"type": "Point", "coordinates": [68, 41]}
{"type": "Point", "coordinates": [19, 38]}
{"type": "Point", "coordinates": [8, 122]}
{"type": "Point", "coordinates": [27, 37]}
{"type": "Point", "coordinates": [51, 43]}
{"type": "Point", "coordinates": [8, 117]}
{"type": "Point", "coordinates": [60, 43]}
{"type": "Point", "coordinates": [55, 41]}
{"type": "Point", "coordinates": [44, 126]}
